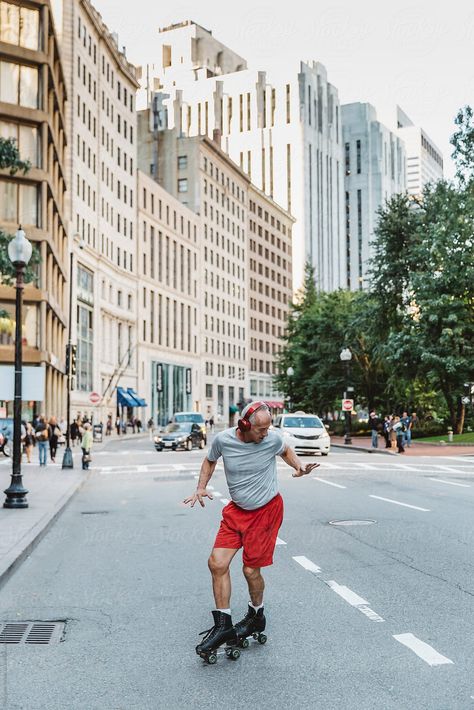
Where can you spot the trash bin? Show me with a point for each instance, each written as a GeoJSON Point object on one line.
{"type": "Point", "coordinates": [97, 432]}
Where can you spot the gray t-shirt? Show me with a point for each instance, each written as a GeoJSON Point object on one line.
{"type": "Point", "coordinates": [250, 468]}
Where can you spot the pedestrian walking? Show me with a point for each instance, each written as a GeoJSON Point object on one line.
{"type": "Point", "coordinates": [118, 425]}
{"type": "Point", "coordinates": [399, 429]}
{"type": "Point", "coordinates": [406, 421]}
{"type": "Point", "coordinates": [53, 436]}
{"type": "Point", "coordinates": [42, 435]}
{"type": "Point", "coordinates": [86, 445]}
{"type": "Point", "coordinates": [74, 432]}
{"type": "Point", "coordinates": [386, 431]}
{"type": "Point", "coordinates": [29, 441]}
{"type": "Point", "coordinates": [250, 520]}
{"type": "Point", "coordinates": [108, 426]}
{"type": "Point", "coordinates": [374, 424]}
{"type": "Point", "coordinates": [211, 424]}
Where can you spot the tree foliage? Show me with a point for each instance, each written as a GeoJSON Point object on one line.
{"type": "Point", "coordinates": [412, 333]}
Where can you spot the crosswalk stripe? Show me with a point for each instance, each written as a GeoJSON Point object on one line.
{"type": "Point", "coordinates": [328, 483]}
{"type": "Point", "coordinates": [423, 650]}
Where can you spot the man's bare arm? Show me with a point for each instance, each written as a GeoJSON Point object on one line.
{"type": "Point", "coordinates": [292, 460]}
{"type": "Point", "coordinates": [207, 469]}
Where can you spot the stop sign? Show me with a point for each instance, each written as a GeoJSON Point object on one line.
{"type": "Point", "coordinates": [347, 405]}
{"type": "Point", "coordinates": [94, 397]}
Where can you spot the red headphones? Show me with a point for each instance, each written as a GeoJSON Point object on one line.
{"type": "Point", "coordinates": [244, 423]}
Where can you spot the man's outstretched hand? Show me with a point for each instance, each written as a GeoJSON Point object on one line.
{"type": "Point", "coordinates": [200, 494]}
{"type": "Point", "coordinates": [304, 470]}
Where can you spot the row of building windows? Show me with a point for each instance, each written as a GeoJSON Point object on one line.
{"type": "Point", "coordinates": [267, 217]}
{"type": "Point", "coordinates": [219, 325]}
{"type": "Point", "coordinates": [219, 282]}
{"type": "Point", "coordinates": [232, 370]}
{"type": "Point", "coordinates": [220, 241]}
{"type": "Point", "coordinates": [169, 322]}
{"type": "Point", "coordinates": [258, 287]}
{"type": "Point", "coordinates": [268, 366]}
{"type": "Point", "coordinates": [170, 263]}
{"type": "Point", "coordinates": [257, 305]}
{"type": "Point", "coordinates": [218, 175]}
{"type": "Point", "coordinates": [223, 222]}
{"type": "Point", "coordinates": [218, 347]}
{"type": "Point", "coordinates": [223, 305]}
{"type": "Point", "coordinates": [232, 207]}
{"type": "Point", "coordinates": [263, 251]}
{"type": "Point", "coordinates": [186, 229]}
{"type": "Point", "coordinates": [258, 268]}
{"type": "Point", "coordinates": [19, 26]}
{"type": "Point", "coordinates": [19, 85]}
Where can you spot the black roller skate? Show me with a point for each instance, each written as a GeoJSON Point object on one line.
{"type": "Point", "coordinates": [221, 633]}
{"type": "Point", "coordinates": [251, 625]}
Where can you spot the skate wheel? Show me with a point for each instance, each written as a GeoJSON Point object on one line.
{"type": "Point", "coordinates": [211, 659]}
{"type": "Point", "coordinates": [262, 638]}
{"type": "Point", "coordinates": [244, 643]}
{"type": "Point", "coordinates": [234, 654]}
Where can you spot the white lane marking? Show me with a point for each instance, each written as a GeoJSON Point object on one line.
{"type": "Point", "coordinates": [426, 652]}
{"type": "Point", "coordinates": [397, 502]}
{"type": "Point", "coordinates": [406, 467]}
{"type": "Point", "coordinates": [224, 501]}
{"type": "Point", "coordinates": [142, 469]}
{"type": "Point", "coordinates": [354, 600]}
{"type": "Point", "coordinates": [449, 469]}
{"type": "Point", "coordinates": [280, 541]}
{"type": "Point", "coordinates": [326, 464]}
{"type": "Point", "coordinates": [450, 483]}
{"type": "Point", "coordinates": [369, 466]}
{"type": "Point", "coordinates": [216, 494]}
{"type": "Point", "coordinates": [211, 488]}
{"type": "Point", "coordinates": [197, 477]}
{"type": "Point", "coordinates": [329, 483]}
{"type": "Point", "coordinates": [178, 467]}
{"type": "Point", "coordinates": [106, 468]}
{"type": "Point", "coordinates": [307, 564]}
{"type": "Point", "coordinates": [347, 594]}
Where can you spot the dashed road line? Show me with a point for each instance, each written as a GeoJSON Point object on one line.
{"type": "Point", "coordinates": [354, 600]}
{"type": "Point", "coordinates": [423, 650]}
{"type": "Point", "coordinates": [329, 483]}
{"type": "Point", "coordinates": [224, 501]}
{"type": "Point", "coordinates": [397, 502]}
{"type": "Point", "coordinates": [280, 541]}
{"type": "Point", "coordinates": [307, 564]}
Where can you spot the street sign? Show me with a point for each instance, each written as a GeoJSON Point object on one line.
{"type": "Point", "coordinates": [189, 381]}
{"type": "Point", "coordinates": [159, 377]}
{"type": "Point", "coordinates": [347, 405]}
{"type": "Point", "coordinates": [466, 400]}
{"type": "Point", "coordinates": [94, 397]}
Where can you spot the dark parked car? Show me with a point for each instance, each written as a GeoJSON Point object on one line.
{"type": "Point", "coordinates": [180, 435]}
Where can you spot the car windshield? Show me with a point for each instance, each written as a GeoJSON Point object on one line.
{"type": "Point", "coordinates": [198, 418]}
{"type": "Point", "coordinates": [303, 423]}
{"type": "Point", "coordinates": [178, 427]}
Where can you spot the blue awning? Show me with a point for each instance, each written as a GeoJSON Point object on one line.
{"type": "Point", "coordinates": [124, 399]}
{"type": "Point", "coordinates": [140, 402]}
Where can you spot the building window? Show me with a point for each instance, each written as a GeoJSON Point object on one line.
{"type": "Point", "coordinates": [182, 162]}
{"type": "Point", "coordinates": [183, 185]}
{"type": "Point", "coordinates": [19, 84]}
{"type": "Point", "coordinates": [288, 104]}
{"type": "Point", "coordinates": [19, 25]}
{"type": "Point", "coordinates": [359, 159]}
{"type": "Point", "coordinates": [347, 154]}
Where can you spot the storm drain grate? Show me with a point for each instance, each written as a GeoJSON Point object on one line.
{"type": "Point", "coordinates": [32, 632]}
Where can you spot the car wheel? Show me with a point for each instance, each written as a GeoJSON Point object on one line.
{"type": "Point", "coordinates": [202, 443]}
{"type": "Point", "coordinates": [189, 445]}
{"type": "Point", "coordinates": [324, 453]}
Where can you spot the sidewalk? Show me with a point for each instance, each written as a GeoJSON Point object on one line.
{"type": "Point", "coordinates": [49, 491]}
{"type": "Point", "coordinates": [417, 448]}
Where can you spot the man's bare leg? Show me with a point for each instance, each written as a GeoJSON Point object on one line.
{"type": "Point", "coordinates": [256, 584]}
{"type": "Point", "coordinates": [219, 563]}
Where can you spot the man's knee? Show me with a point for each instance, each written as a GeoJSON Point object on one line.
{"type": "Point", "coordinates": [251, 573]}
{"type": "Point", "coordinates": [218, 566]}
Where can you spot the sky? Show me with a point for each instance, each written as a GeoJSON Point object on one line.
{"type": "Point", "coordinates": [415, 54]}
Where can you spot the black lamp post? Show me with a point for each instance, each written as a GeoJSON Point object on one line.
{"type": "Point", "coordinates": [68, 461]}
{"type": "Point", "coordinates": [19, 253]}
{"type": "Point", "coordinates": [346, 356]}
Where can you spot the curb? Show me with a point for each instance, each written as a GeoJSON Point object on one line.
{"type": "Point", "coordinates": [21, 550]}
{"type": "Point", "coordinates": [351, 447]}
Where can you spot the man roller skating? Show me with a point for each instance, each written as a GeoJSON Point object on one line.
{"type": "Point", "coordinates": [251, 520]}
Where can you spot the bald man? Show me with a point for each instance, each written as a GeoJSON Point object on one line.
{"type": "Point", "coordinates": [250, 520]}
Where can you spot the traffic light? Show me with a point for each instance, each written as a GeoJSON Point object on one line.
{"type": "Point", "coordinates": [71, 357]}
{"type": "Point", "coordinates": [73, 360]}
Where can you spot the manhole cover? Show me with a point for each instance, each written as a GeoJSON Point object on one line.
{"type": "Point", "coordinates": [343, 523]}
{"type": "Point", "coordinates": [31, 632]}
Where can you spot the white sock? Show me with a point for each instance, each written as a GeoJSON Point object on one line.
{"type": "Point", "coordinates": [260, 606]}
{"type": "Point", "coordinates": [224, 611]}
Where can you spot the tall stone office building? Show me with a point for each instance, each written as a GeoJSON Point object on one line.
{"type": "Point", "coordinates": [374, 170]}
{"type": "Point", "coordinates": [33, 112]}
{"type": "Point", "coordinates": [285, 134]}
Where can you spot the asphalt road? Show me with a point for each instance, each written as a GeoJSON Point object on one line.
{"type": "Point", "coordinates": [359, 617]}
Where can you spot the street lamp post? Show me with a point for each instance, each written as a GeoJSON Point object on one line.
{"type": "Point", "coordinates": [68, 461]}
{"type": "Point", "coordinates": [289, 373]}
{"type": "Point", "coordinates": [346, 356]}
{"type": "Point", "coordinates": [19, 253]}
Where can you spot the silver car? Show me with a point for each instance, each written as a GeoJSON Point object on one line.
{"type": "Point", "coordinates": [305, 433]}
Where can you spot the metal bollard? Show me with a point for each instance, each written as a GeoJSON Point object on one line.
{"type": "Point", "coordinates": [450, 435]}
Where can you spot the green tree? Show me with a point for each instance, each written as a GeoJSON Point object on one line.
{"type": "Point", "coordinates": [10, 159]}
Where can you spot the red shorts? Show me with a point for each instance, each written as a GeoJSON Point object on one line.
{"type": "Point", "coordinates": [254, 530]}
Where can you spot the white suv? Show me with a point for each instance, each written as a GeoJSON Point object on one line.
{"type": "Point", "coordinates": [304, 432]}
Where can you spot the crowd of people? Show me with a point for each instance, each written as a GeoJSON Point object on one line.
{"type": "Point", "coordinates": [48, 433]}
{"type": "Point", "coordinates": [396, 430]}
